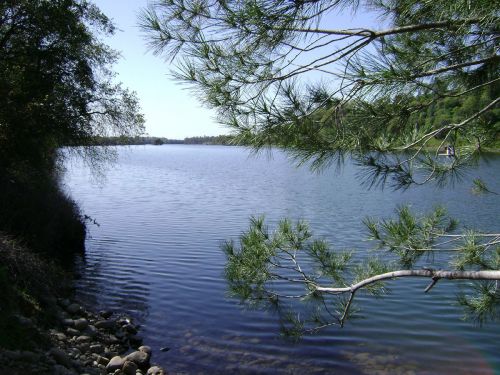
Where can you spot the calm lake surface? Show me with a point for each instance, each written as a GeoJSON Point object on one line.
{"type": "Point", "coordinates": [163, 213]}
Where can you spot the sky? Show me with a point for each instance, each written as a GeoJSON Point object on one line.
{"type": "Point", "coordinates": [170, 109]}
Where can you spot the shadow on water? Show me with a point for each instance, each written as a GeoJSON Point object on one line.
{"type": "Point", "coordinates": [103, 285]}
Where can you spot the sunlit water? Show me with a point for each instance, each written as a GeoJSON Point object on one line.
{"type": "Point", "coordinates": [163, 212]}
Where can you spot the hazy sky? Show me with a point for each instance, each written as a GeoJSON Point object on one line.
{"type": "Point", "coordinates": [170, 109]}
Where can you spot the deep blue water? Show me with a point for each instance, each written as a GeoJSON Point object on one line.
{"type": "Point", "coordinates": [163, 212]}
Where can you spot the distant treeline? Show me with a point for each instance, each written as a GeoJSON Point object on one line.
{"type": "Point", "coordinates": [204, 140]}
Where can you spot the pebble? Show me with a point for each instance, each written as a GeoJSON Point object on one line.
{"type": "Point", "coordinates": [129, 368]}
{"type": "Point", "coordinates": [141, 359]}
{"type": "Point", "coordinates": [115, 363]}
{"type": "Point", "coordinates": [81, 324]}
{"type": "Point", "coordinates": [60, 336]}
{"type": "Point", "coordinates": [91, 331]}
{"type": "Point", "coordinates": [102, 361]}
{"type": "Point", "coordinates": [68, 322]}
{"type": "Point", "coordinates": [73, 308]}
{"type": "Point", "coordinates": [111, 339]}
{"type": "Point", "coordinates": [83, 339]}
{"type": "Point", "coordinates": [64, 302]}
{"type": "Point", "coordinates": [106, 313]}
{"type": "Point", "coordinates": [105, 324]}
{"type": "Point", "coordinates": [130, 329]}
{"type": "Point", "coordinates": [94, 345]}
{"type": "Point", "coordinates": [72, 332]}
{"type": "Point", "coordinates": [156, 370]}
{"type": "Point", "coordinates": [61, 357]}
{"type": "Point", "coordinates": [98, 348]}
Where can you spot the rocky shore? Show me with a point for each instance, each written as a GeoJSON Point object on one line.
{"type": "Point", "coordinates": [83, 342]}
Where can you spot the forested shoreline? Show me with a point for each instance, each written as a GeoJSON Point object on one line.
{"type": "Point", "coordinates": [147, 140]}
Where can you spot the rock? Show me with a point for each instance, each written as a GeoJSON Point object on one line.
{"type": "Point", "coordinates": [106, 313]}
{"type": "Point", "coordinates": [102, 361]}
{"type": "Point", "coordinates": [124, 321]}
{"type": "Point", "coordinates": [110, 354]}
{"type": "Point", "coordinates": [140, 358]}
{"type": "Point", "coordinates": [84, 347]}
{"type": "Point", "coordinates": [68, 322]}
{"type": "Point", "coordinates": [74, 352]}
{"type": "Point", "coordinates": [156, 370]}
{"type": "Point", "coordinates": [98, 348]}
{"type": "Point", "coordinates": [146, 349]}
{"type": "Point", "coordinates": [81, 324]}
{"type": "Point", "coordinates": [64, 302]}
{"type": "Point", "coordinates": [72, 332]}
{"type": "Point", "coordinates": [83, 339]}
{"type": "Point", "coordinates": [61, 336]}
{"type": "Point", "coordinates": [111, 340]}
{"type": "Point", "coordinates": [61, 357]}
{"type": "Point", "coordinates": [115, 363]}
{"type": "Point", "coordinates": [90, 331]}
{"type": "Point", "coordinates": [73, 308]}
{"type": "Point", "coordinates": [105, 324]}
{"type": "Point", "coordinates": [129, 368]}
{"type": "Point", "coordinates": [130, 329]}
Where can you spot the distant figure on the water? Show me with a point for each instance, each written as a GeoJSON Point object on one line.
{"type": "Point", "coordinates": [450, 150]}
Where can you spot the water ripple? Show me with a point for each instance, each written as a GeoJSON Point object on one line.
{"type": "Point", "coordinates": [163, 213]}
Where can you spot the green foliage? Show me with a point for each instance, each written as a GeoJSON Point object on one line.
{"type": "Point", "coordinates": [56, 89]}
{"type": "Point", "coordinates": [370, 268]}
{"type": "Point", "coordinates": [55, 82]}
{"type": "Point", "coordinates": [393, 99]}
{"type": "Point", "coordinates": [480, 187]}
{"type": "Point", "coordinates": [410, 237]}
{"type": "Point", "coordinates": [279, 74]}
{"type": "Point", "coordinates": [287, 270]}
{"type": "Point", "coordinates": [483, 305]}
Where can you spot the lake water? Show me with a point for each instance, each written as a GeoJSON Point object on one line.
{"type": "Point", "coordinates": [163, 212]}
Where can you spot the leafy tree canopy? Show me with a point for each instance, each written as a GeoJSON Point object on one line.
{"type": "Point", "coordinates": [56, 83]}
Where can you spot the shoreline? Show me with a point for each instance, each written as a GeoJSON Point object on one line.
{"type": "Point", "coordinates": [83, 342]}
{"type": "Point", "coordinates": [42, 331]}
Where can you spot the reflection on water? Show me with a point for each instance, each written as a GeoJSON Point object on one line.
{"type": "Point", "coordinates": [163, 213]}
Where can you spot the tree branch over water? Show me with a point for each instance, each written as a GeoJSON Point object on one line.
{"type": "Point", "coordinates": [413, 102]}
{"type": "Point", "coordinates": [281, 268]}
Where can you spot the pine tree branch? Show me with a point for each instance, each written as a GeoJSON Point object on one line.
{"type": "Point", "coordinates": [450, 275]}
{"type": "Point", "coordinates": [432, 26]}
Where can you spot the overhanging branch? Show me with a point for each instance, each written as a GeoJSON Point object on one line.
{"type": "Point", "coordinates": [450, 275]}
